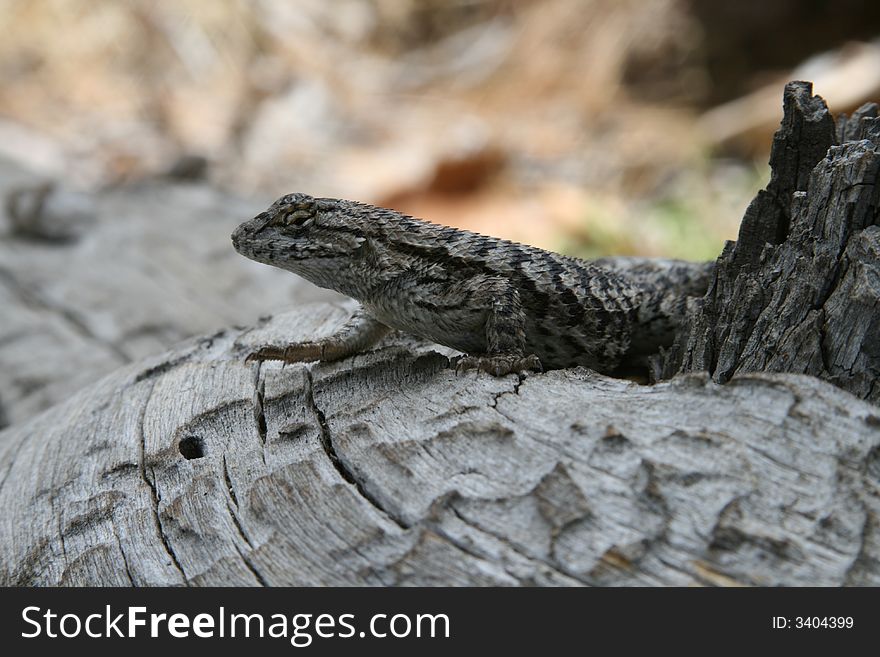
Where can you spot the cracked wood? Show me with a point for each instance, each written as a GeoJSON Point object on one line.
{"type": "Point", "coordinates": [799, 291]}
{"type": "Point", "coordinates": [559, 479]}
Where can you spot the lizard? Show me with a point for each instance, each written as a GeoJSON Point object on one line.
{"type": "Point", "coordinates": [509, 307]}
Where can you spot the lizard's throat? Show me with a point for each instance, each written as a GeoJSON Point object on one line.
{"type": "Point", "coordinates": [334, 274]}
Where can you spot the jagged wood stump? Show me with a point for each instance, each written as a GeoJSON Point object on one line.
{"type": "Point", "coordinates": [799, 290]}
{"type": "Point", "coordinates": [197, 468]}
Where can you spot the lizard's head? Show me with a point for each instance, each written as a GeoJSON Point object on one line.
{"type": "Point", "coordinates": [302, 234]}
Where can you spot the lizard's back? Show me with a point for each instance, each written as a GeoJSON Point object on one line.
{"type": "Point", "coordinates": [576, 312]}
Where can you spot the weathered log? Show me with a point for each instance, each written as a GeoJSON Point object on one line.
{"type": "Point", "coordinates": [799, 291]}
{"type": "Point", "coordinates": [389, 469]}
{"type": "Point", "coordinates": [196, 468]}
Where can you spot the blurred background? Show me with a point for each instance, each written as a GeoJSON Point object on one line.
{"type": "Point", "coordinates": [587, 126]}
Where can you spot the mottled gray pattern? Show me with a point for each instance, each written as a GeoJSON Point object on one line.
{"type": "Point", "coordinates": [509, 306]}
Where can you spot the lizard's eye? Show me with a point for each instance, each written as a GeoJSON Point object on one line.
{"type": "Point", "coordinates": [299, 217]}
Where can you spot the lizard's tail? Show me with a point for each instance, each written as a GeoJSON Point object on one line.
{"type": "Point", "coordinates": [663, 276]}
{"type": "Point", "coordinates": [671, 290]}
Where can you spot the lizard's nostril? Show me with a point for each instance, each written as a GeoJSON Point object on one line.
{"type": "Point", "coordinates": [240, 234]}
{"type": "Point", "coordinates": [250, 228]}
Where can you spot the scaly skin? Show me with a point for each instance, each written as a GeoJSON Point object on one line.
{"type": "Point", "coordinates": [508, 306]}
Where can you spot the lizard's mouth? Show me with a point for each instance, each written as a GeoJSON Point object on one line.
{"type": "Point", "coordinates": [244, 235]}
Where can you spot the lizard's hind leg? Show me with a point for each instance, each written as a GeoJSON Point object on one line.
{"type": "Point", "coordinates": [505, 338]}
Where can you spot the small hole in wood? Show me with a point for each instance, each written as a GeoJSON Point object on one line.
{"type": "Point", "coordinates": [191, 447]}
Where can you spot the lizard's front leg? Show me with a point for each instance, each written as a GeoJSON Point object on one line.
{"type": "Point", "coordinates": [505, 337]}
{"type": "Point", "coordinates": [355, 336]}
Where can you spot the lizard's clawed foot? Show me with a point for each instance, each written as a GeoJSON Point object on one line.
{"type": "Point", "coordinates": [294, 353]}
{"type": "Point", "coordinates": [499, 364]}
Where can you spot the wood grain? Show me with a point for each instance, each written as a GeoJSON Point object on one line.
{"type": "Point", "coordinates": [388, 469]}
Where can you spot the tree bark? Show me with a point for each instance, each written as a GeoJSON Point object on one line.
{"type": "Point", "coordinates": [799, 290]}
{"type": "Point", "coordinates": [195, 468]}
